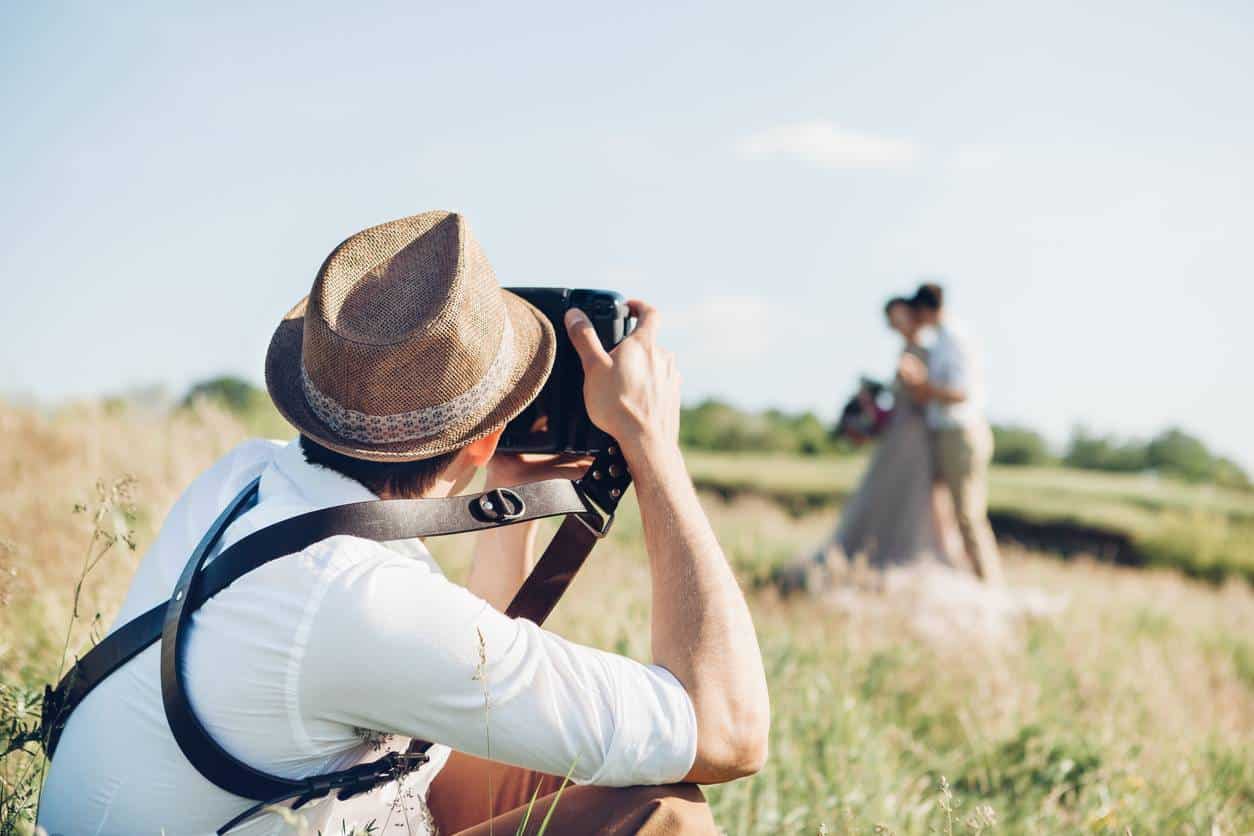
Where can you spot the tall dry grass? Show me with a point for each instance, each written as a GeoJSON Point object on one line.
{"type": "Point", "coordinates": [51, 464]}
{"type": "Point", "coordinates": [1132, 710]}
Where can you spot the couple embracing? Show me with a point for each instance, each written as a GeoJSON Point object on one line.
{"type": "Point", "coordinates": [929, 473]}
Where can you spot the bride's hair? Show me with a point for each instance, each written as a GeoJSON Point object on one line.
{"type": "Point", "coordinates": [896, 300]}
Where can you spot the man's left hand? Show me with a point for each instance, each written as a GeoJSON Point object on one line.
{"type": "Point", "coordinates": [509, 469]}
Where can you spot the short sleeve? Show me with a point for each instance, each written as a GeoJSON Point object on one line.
{"type": "Point", "coordinates": [959, 364]}
{"type": "Point", "coordinates": [949, 363]}
{"type": "Point", "coordinates": [397, 648]}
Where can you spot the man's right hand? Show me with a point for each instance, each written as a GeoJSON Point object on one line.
{"type": "Point", "coordinates": [702, 630]}
{"type": "Point", "coordinates": [631, 392]}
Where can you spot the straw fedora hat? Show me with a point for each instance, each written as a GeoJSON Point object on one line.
{"type": "Point", "coordinates": [407, 347]}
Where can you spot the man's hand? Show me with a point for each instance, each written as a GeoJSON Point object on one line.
{"type": "Point", "coordinates": [509, 469]}
{"type": "Point", "coordinates": [913, 373]}
{"type": "Point", "coordinates": [912, 370]}
{"type": "Point", "coordinates": [631, 392]}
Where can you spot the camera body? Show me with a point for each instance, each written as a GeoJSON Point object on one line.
{"type": "Point", "coordinates": [557, 420]}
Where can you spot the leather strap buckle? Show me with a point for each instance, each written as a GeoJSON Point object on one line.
{"type": "Point", "coordinates": [499, 505]}
{"type": "Point", "coordinates": [599, 524]}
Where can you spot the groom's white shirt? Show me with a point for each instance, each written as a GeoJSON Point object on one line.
{"type": "Point", "coordinates": [324, 658]}
{"type": "Point", "coordinates": [953, 361]}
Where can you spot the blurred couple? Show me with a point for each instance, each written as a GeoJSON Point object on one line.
{"type": "Point", "coordinates": [923, 497]}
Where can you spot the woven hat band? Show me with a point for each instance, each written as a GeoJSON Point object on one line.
{"type": "Point", "coordinates": [423, 422]}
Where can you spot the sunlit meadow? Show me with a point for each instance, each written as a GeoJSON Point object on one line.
{"type": "Point", "coordinates": [1129, 708]}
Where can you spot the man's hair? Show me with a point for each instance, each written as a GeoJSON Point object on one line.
{"type": "Point", "coordinates": [894, 302]}
{"type": "Point", "coordinates": [398, 479]}
{"type": "Point", "coordinates": [929, 297]}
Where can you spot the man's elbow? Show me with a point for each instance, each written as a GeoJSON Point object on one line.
{"type": "Point", "coordinates": [751, 753]}
{"type": "Point", "coordinates": [739, 748]}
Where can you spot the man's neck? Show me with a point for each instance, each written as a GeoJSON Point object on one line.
{"type": "Point", "coordinates": [443, 487]}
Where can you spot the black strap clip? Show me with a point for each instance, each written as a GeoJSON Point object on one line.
{"type": "Point", "coordinates": [500, 505]}
{"type": "Point", "coordinates": [361, 778]}
{"type": "Point", "coordinates": [50, 719]}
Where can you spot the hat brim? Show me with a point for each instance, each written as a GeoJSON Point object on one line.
{"type": "Point", "coordinates": [535, 345]}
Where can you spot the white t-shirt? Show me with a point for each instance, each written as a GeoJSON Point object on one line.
{"type": "Point", "coordinates": [953, 362]}
{"type": "Point", "coordinates": [324, 658]}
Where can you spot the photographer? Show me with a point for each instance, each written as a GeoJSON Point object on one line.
{"type": "Point", "coordinates": [400, 371]}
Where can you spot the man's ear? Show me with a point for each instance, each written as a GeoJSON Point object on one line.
{"type": "Point", "coordinates": [479, 452]}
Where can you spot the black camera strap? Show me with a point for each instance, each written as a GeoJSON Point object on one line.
{"type": "Point", "coordinates": [588, 503]}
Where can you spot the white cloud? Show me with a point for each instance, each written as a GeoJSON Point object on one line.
{"type": "Point", "coordinates": [827, 144]}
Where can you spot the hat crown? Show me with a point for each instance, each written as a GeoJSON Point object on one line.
{"type": "Point", "coordinates": [385, 284]}
{"type": "Point", "coordinates": [403, 316]}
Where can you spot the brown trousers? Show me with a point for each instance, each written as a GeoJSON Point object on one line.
{"type": "Point", "coordinates": [460, 804]}
{"type": "Point", "coordinates": [962, 456]}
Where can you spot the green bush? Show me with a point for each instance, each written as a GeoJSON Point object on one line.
{"type": "Point", "coordinates": [1172, 452]}
{"type": "Point", "coordinates": [1176, 453]}
{"type": "Point", "coordinates": [1016, 445]}
{"type": "Point", "coordinates": [717, 425]}
{"type": "Point", "coordinates": [235, 394]}
{"type": "Point", "coordinates": [1092, 452]}
{"type": "Point", "coordinates": [1229, 474]}
{"type": "Point", "coordinates": [251, 404]}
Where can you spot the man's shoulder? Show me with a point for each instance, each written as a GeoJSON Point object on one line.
{"type": "Point", "coordinates": [251, 452]}
{"type": "Point", "coordinates": [361, 585]}
{"type": "Point", "coordinates": [360, 569]}
{"type": "Point", "coordinates": [956, 336]}
{"type": "Point", "coordinates": [956, 329]}
{"type": "Point", "coordinates": [240, 464]}
{"type": "Point", "coordinates": [361, 553]}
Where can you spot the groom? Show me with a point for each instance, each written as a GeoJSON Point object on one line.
{"type": "Point", "coordinates": [952, 385]}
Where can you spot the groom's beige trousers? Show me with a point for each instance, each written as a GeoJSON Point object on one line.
{"type": "Point", "coordinates": [962, 455]}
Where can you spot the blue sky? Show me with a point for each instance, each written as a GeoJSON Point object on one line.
{"type": "Point", "coordinates": [1081, 179]}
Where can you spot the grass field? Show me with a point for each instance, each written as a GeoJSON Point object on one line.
{"type": "Point", "coordinates": [1203, 530]}
{"type": "Point", "coordinates": [1132, 710]}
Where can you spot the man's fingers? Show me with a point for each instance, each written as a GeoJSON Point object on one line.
{"type": "Point", "coordinates": [584, 337]}
{"type": "Point", "coordinates": [647, 318]}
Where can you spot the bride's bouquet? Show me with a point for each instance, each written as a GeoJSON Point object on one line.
{"type": "Point", "coordinates": [867, 413]}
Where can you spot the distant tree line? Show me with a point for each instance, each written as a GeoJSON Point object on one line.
{"type": "Point", "coordinates": [1172, 452]}
{"type": "Point", "coordinates": [717, 425]}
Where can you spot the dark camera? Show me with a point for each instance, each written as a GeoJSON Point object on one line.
{"type": "Point", "coordinates": [557, 421]}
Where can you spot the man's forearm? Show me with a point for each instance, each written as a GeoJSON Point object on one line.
{"type": "Point", "coordinates": [702, 629]}
{"type": "Point", "coordinates": [503, 557]}
{"type": "Point", "coordinates": [932, 392]}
